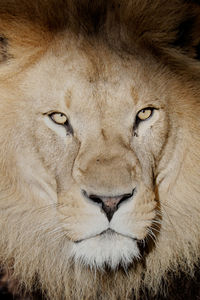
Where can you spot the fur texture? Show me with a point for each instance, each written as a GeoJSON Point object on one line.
{"type": "Point", "coordinates": [99, 64]}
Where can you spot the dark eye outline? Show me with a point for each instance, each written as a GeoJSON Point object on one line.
{"type": "Point", "coordinates": [138, 120]}
{"type": "Point", "coordinates": [56, 113]}
{"type": "Point", "coordinates": [143, 109]}
{"type": "Point", "coordinates": [67, 124]}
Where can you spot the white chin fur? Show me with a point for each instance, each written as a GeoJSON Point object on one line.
{"type": "Point", "coordinates": [106, 249]}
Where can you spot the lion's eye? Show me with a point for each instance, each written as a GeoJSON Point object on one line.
{"type": "Point", "coordinates": [61, 119]}
{"type": "Point", "coordinates": [145, 113]}
{"type": "Point", "coordinates": [58, 118]}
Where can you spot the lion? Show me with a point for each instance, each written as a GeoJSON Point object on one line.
{"type": "Point", "coordinates": [99, 146]}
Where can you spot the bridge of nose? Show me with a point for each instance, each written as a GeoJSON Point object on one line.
{"type": "Point", "coordinates": [106, 176]}
{"type": "Point", "coordinates": [105, 167]}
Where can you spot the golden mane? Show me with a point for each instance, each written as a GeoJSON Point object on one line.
{"type": "Point", "coordinates": [162, 29]}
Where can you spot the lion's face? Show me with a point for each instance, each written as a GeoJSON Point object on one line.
{"type": "Point", "coordinates": [95, 129]}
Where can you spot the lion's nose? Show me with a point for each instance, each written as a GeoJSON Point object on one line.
{"type": "Point", "coordinates": [109, 204]}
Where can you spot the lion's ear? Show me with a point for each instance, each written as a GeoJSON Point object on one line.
{"type": "Point", "coordinates": [188, 31]}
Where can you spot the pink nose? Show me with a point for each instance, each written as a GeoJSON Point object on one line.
{"type": "Point", "coordinates": [109, 205]}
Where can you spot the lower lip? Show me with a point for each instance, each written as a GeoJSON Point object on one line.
{"type": "Point", "coordinates": [107, 232]}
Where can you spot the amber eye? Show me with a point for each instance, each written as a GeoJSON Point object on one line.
{"type": "Point", "coordinates": [145, 113]}
{"type": "Point", "coordinates": [58, 118]}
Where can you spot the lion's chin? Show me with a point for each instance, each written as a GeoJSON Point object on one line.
{"type": "Point", "coordinates": [106, 250]}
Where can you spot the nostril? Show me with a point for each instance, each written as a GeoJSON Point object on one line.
{"type": "Point", "coordinates": [125, 197]}
{"type": "Point", "coordinates": [95, 199]}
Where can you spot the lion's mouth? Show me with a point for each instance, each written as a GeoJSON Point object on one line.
{"type": "Point", "coordinates": [108, 232]}
{"type": "Point", "coordinates": [108, 248]}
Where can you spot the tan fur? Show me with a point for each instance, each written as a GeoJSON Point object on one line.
{"type": "Point", "coordinates": [100, 76]}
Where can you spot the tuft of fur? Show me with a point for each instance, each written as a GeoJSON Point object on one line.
{"type": "Point", "coordinates": [33, 246]}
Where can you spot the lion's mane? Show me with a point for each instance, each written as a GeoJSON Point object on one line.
{"type": "Point", "coordinates": [169, 30]}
